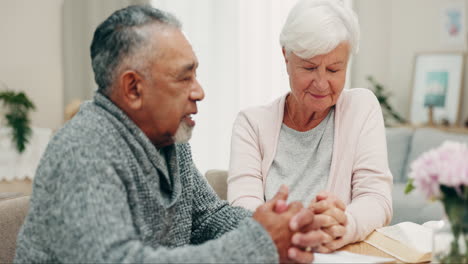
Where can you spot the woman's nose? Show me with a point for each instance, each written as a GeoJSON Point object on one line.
{"type": "Point", "coordinates": [321, 83]}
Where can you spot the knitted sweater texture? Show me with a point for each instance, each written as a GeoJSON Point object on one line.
{"type": "Point", "coordinates": [104, 193]}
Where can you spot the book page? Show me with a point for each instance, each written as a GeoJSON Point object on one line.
{"type": "Point", "coordinates": [410, 234]}
{"type": "Point", "coordinates": [408, 242]}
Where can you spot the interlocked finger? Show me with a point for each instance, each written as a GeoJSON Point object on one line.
{"type": "Point", "coordinates": [304, 218]}
{"type": "Point", "coordinates": [300, 256]}
{"type": "Point", "coordinates": [338, 214]}
{"type": "Point", "coordinates": [335, 231]}
{"type": "Point", "coordinates": [323, 249]}
{"type": "Point", "coordinates": [311, 239]}
{"type": "Point", "coordinates": [335, 244]}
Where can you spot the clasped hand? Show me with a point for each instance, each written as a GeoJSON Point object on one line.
{"type": "Point", "coordinates": [297, 231]}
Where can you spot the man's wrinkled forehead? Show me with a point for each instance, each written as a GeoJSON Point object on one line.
{"type": "Point", "coordinates": [174, 52]}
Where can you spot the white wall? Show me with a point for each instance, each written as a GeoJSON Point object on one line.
{"type": "Point", "coordinates": [392, 33]}
{"type": "Point", "coordinates": [241, 65]}
{"type": "Point", "coordinates": [213, 34]}
{"type": "Point", "coordinates": [80, 19]}
{"type": "Point", "coordinates": [31, 55]}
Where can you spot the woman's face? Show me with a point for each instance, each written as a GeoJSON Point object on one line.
{"type": "Point", "coordinates": [316, 83]}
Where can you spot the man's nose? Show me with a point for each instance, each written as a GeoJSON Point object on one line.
{"type": "Point", "coordinates": [197, 93]}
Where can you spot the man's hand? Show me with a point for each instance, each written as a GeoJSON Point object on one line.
{"type": "Point", "coordinates": [332, 211]}
{"type": "Point", "coordinates": [277, 225]}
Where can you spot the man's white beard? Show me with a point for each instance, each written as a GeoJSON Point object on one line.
{"type": "Point", "coordinates": [183, 133]}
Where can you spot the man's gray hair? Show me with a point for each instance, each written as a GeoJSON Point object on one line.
{"type": "Point", "coordinates": [119, 37]}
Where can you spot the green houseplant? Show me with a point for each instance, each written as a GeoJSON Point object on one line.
{"type": "Point", "coordinates": [17, 106]}
{"type": "Point", "coordinates": [382, 95]}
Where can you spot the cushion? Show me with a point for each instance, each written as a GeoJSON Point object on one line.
{"type": "Point", "coordinates": [218, 181]}
{"type": "Point", "coordinates": [413, 207]}
{"type": "Point", "coordinates": [17, 186]}
{"type": "Point", "coordinates": [398, 142]}
{"type": "Point", "coordinates": [9, 195]}
{"type": "Point", "coordinates": [425, 139]}
{"type": "Point", "coordinates": [12, 214]}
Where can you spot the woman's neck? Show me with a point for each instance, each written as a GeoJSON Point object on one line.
{"type": "Point", "coordinates": [299, 118]}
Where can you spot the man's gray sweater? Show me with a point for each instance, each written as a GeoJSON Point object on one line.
{"type": "Point", "coordinates": [104, 193]}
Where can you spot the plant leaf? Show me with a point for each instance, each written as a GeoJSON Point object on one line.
{"type": "Point", "coordinates": [18, 107]}
{"type": "Point", "coordinates": [409, 186]}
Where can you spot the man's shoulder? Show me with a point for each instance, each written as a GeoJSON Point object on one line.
{"type": "Point", "coordinates": [88, 132]}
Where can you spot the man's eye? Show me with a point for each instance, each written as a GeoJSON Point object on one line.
{"type": "Point", "coordinates": [333, 71]}
{"type": "Point", "coordinates": [311, 68]}
{"type": "Point", "coordinates": [187, 79]}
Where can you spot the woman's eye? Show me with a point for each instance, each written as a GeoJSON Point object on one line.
{"type": "Point", "coordinates": [333, 71]}
{"type": "Point", "coordinates": [311, 68]}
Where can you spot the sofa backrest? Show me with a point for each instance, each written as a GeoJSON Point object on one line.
{"type": "Point", "coordinates": [218, 181]}
{"type": "Point", "coordinates": [425, 139]}
{"type": "Point", "coordinates": [398, 146]}
{"type": "Point", "coordinates": [12, 213]}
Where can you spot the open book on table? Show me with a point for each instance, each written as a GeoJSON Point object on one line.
{"type": "Point", "coordinates": [409, 242]}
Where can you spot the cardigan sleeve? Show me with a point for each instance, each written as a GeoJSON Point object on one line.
{"type": "Point", "coordinates": [371, 201]}
{"type": "Point", "coordinates": [245, 181]}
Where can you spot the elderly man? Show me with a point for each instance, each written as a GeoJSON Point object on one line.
{"type": "Point", "coordinates": [117, 183]}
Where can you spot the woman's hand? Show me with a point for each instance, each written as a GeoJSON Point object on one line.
{"type": "Point", "coordinates": [332, 210]}
{"type": "Point", "coordinates": [308, 235]}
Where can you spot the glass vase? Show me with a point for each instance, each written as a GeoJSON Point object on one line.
{"type": "Point", "coordinates": [450, 244]}
{"type": "Point", "coordinates": [445, 248]}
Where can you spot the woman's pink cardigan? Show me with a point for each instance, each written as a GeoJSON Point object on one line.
{"type": "Point", "coordinates": [359, 173]}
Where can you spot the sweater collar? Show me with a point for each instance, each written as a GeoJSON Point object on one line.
{"type": "Point", "coordinates": [165, 164]}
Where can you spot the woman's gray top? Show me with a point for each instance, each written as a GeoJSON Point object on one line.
{"type": "Point", "coordinates": [302, 161]}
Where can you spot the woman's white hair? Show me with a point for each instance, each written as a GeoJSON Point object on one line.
{"type": "Point", "coordinates": [316, 27]}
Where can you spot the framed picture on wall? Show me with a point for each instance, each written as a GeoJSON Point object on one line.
{"type": "Point", "coordinates": [437, 82]}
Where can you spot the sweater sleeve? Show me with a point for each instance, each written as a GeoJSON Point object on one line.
{"type": "Point", "coordinates": [371, 202]}
{"type": "Point", "coordinates": [92, 223]}
{"type": "Point", "coordinates": [245, 181]}
{"type": "Point", "coordinates": [212, 217]}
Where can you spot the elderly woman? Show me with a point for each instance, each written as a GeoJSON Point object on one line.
{"type": "Point", "coordinates": [327, 144]}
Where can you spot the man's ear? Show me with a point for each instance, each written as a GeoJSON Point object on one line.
{"type": "Point", "coordinates": [131, 87]}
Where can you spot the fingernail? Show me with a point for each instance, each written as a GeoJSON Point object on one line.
{"type": "Point", "coordinates": [291, 253]}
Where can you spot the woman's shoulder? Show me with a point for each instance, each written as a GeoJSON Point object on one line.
{"type": "Point", "coordinates": [357, 99]}
{"type": "Point", "coordinates": [359, 94]}
{"type": "Point", "coordinates": [267, 112]}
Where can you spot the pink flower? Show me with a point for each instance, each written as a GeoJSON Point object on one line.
{"type": "Point", "coordinates": [446, 165]}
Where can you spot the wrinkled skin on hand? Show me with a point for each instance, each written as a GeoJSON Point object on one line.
{"type": "Point", "coordinates": [329, 207]}
{"type": "Point", "coordinates": [278, 225]}
{"type": "Point", "coordinates": [324, 234]}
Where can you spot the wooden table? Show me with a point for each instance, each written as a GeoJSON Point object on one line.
{"type": "Point", "coordinates": [367, 249]}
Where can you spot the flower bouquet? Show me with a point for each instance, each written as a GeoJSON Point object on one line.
{"type": "Point", "coordinates": [442, 174]}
